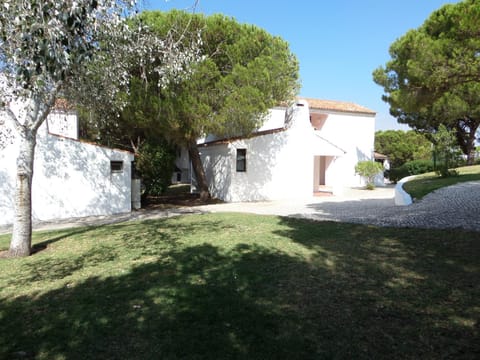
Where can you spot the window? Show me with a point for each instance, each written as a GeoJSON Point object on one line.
{"type": "Point", "coordinates": [116, 166]}
{"type": "Point", "coordinates": [241, 160]}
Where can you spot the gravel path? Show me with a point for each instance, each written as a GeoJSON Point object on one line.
{"type": "Point", "coordinates": [456, 206]}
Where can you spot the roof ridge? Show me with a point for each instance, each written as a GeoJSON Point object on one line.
{"type": "Point", "coordinates": [336, 105]}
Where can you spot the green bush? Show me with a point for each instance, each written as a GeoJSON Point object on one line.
{"type": "Point", "coordinates": [414, 167]}
{"type": "Point", "coordinates": [155, 164]}
{"type": "Point", "coordinates": [417, 167]}
{"type": "Point", "coordinates": [369, 169]}
{"type": "Point", "coordinates": [395, 174]}
{"type": "Point", "coordinates": [445, 172]}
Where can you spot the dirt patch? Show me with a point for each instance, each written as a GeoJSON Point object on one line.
{"type": "Point", "coordinates": [176, 200]}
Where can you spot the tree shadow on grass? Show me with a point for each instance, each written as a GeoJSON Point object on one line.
{"type": "Point", "coordinates": [200, 304]}
{"type": "Point", "coordinates": [407, 293]}
{"type": "Point", "coordinates": [148, 238]}
{"type": "Point", "coordinates": [361, 293]}
{"type": "Point", "coordinates": [42, 245]}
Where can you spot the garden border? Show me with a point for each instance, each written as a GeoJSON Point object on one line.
{"type": "Point", "coordinates": [402, 198]}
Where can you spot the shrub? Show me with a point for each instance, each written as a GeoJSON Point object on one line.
{"type": "Point", "coordinates": [155, 164]}
{"type": "Point", "coordinates": [417, 167]}
{"type": "Point", "coordinates": [414, 167]}
{"type": "Point", "coordinates": [445, 172]}
{"type": "Point", "coordinates": [395, 174]}
{"type": "Point", "coordinates": [369, 169]}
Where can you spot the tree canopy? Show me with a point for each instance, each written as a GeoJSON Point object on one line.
{"type": "Point", "coordinates": [244, 71]}
{"type": "Point", "coordinates": [43, 47]}
{"type": "Point", "coordinates": [50, 48]}
{"type": "Point", "coordinates": [433, 76]}
{"type": "Point", "coordinates": [402, 146]}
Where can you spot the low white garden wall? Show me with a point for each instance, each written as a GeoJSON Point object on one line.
{"type": "Point", "coordinates": [402, 198]}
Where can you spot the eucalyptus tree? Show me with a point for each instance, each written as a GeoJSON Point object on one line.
{"type": "Point", "coordinates": [244, 71]}
{"type": "Point", "coordinates": [433, 76]}
{"type": "Point", "coordinates": [48, 48]}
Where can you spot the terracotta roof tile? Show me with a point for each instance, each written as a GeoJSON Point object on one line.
{"type": "Point", "coordinates": [334, 105]}
{"type": "Point", "coordinates": [63, 105]}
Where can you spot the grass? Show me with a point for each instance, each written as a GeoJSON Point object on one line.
{"type": "Point", "coordinates": [238, 286]}
{"type": "Point", "coordinates": [429, 182]}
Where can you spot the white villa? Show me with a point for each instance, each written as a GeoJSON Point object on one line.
{"type": "Point", "coordinates": [71, 178]}
{"type": "Point", "coordinates": [311, 146]}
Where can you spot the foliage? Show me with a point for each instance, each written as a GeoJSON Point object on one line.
{"type": "Point", "coordinates": [369, 169]}
{"type": "Point", "coordinates": [155, 164]}
{"type": "Point", "coordinates": [402, 146]}
{"type": "Point", "coordinates": [425, 184]}
{"type": "Point", "coordinates": [414, 167]}
{"type": "Point", "coordinates": [239, 286]}
{"type": "Point", "coordinates": [445, 151]}
{"type": "Point", "coordinates": [417, 167]}
{"type": "Point", "coordinates": [135, 124]}
{"type": "Point", "coordinates": [136, 129]}
{"type": "Point", "coordinates": [77, 48]}
{"type": "Point", "coordinates": [44, 47]}
{"type": "Point", "coordinates": [161, 61]}
{"type": "Point", "coordinates": [244, 72]}
{"type": "Point", "coordinates": [432, 77]}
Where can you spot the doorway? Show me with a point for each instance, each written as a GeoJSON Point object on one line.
{"type": "Point", "coordinates": [320, 171]}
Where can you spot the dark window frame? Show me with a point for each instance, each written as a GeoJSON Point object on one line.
{"type": "Point", "coordinates": [116, 166]}
{"type": "Point", "coordinates": [241, 160]}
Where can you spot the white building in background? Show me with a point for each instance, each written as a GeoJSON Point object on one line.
{"type": "Point", "coordinates": [71, 178]}
{"type": "Point", "coordinates": [310, 147]}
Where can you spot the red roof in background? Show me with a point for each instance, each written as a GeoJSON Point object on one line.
{"type": "Point", "coordinates": [334, 105]}
{"type": "Point", "coordinates": [63, 105]}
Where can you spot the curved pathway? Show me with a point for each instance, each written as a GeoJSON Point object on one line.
{"type": "Point", "coordinates": [456, 206]}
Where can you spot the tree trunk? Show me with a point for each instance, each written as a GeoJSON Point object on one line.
{"type": "Point", "coordinates": [466, 130]}
{"type": "Point", "coordinates": [21, 242]}
{"type": "Point", "coordinates": [199, 171]}
{"type": "Point", "coordinates": [471, 156]}
{"type": "Point", "coordinates": [468, 149]}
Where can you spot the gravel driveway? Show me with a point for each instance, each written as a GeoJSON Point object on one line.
{"type": "Point", "coordinates": [456, 206]}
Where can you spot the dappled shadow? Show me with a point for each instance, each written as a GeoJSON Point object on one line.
{"type": "Point", "coordinates": [74, 179]}
{"type": "Point", "coordinates": [264, 155]}
{"type": "Point", "coordinates": [58, 236]}
{"type": "Point", "coordinates": [413, 298]}
{"type": "Point", "coordinates": [356, 292]}
{"type": "Point", "coordinates": [7, 183]}
{"type": "Point", "coordinates": [193, 303]}
{"type": "Point", "coordinates": [71, 179]}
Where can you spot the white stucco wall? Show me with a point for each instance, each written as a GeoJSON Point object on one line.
{"type": "Point", "coordinates": [355, 134]}
{"type": "Point", "coordinates": [182, 163]}
{"type": "Point", "coordinates": [273, 172]}
{"type": "Point", "coordinates": [71, 179]}
{"type": "Point", "coordinates": [274, 120]}
{"type": "Point", "coordinates": [63, 123]}
{"type": "Point", "coordinates": [280, 165]}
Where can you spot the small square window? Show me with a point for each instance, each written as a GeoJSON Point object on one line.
{"type": "Point", "coordinates": [116, 166]}
{"type": "Point", "coordinates": [241, 160]}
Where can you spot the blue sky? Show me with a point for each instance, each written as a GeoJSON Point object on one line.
{"type": "Point", "coordinates": [338, 43]}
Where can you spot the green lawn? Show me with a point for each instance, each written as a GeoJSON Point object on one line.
{"type": "Point", "coordinates": [426, 183]}
{"type": "Point", "coordinates": [237, 286]}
